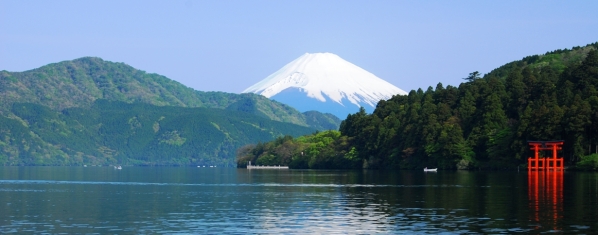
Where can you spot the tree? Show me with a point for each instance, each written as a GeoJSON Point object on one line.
{"type": "Point", "coordinates": [472, 76]}
{"type": "Point", "coordinates": [517, 96]}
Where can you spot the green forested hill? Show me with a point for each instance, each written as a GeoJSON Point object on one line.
{"type": "Point", "coordinates": [113, 132]}
{"type": "Point", "coordinates": [557, 61]}
{"type": "Point", "coordinates": [78, 83]}
{"type": "Point", "coordinates": [484, 123]}
{"type": "Point", "coordinates": [322, 121]}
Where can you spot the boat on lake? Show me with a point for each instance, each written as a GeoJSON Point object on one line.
{"type": "Point", "coordinates": [431, 169]}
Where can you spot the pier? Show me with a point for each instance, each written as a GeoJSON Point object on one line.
{"type": "Point", "coordinates": [249, 166]}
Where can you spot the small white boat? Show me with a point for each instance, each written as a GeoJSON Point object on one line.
{"type": "Point", "coordinates": [431, 169]}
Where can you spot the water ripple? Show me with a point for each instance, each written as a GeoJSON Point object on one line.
{"type": "Point", "coordinates": [45, 182]}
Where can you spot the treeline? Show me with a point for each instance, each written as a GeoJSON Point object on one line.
{"type": "Point", "coordinates": [111, 132]}
{"type": "Point", "coordinates": [484, 123]}
{"type": "Point", "coordinates": [320, 150]}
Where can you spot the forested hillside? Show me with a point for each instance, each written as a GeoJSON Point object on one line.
{"type": "Point", "coordinates": [484, 123]}
{"type": "Point", "coordinates": [78, 83]}
{"type": "Point", "coordinates": [112, 132]}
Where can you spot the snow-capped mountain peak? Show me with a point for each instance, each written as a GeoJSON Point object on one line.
{"type": "Point", "coordinates": [327, 78]}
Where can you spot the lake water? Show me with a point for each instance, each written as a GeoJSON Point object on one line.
{"type": "Point", "coordinates": [240, 201]}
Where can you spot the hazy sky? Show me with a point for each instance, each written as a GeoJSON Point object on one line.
{"type": "Point", "coordinates": [230, 45]}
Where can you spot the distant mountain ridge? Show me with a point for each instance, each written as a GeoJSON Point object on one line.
{"type": "Point", "coordinates": [119, 133]}
{"type": "Point", "coordinates": [91, 111]}
{"type": "Point", "coordinates": [79, 82]}
{"type": "Point", "coordinates": [326, 83]}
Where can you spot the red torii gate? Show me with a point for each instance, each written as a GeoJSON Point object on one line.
{"type": "Point", "coordinates": [546, 163]}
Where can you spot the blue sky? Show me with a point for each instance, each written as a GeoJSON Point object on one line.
{"type": "Point", "coordinates": [230, 45]}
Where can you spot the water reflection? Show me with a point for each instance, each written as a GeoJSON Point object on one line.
{"type": "Point", "coordinates": [210, 201]}
{"type": "Point", "coordinates": [545, 189]}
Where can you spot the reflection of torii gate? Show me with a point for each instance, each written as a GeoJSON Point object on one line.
{"type": "Point", "coordinates": [545, 163]}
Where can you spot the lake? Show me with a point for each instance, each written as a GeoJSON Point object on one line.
{"type": "Point", "coordinates": [240, 201]}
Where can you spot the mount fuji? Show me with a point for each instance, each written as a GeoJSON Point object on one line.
{"type": "Point", "coordinates": [326, 83]}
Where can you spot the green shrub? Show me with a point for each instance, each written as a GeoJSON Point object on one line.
{"type": "Point", "coordinates": [588, 162]}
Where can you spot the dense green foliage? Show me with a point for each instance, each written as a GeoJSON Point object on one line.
{"type": "Point", "coordinates": [589, 162]}
{"type": "Point", "coordinates": [112, 132]}
{"type": "Point", "coordinates": [319, 150]}
{"type": "Point", "coordinates": [557, 60]}
{"type": "Point", "coordinates": [484, 123]}
{"type": "Point", "coordinates": [78, 83]}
